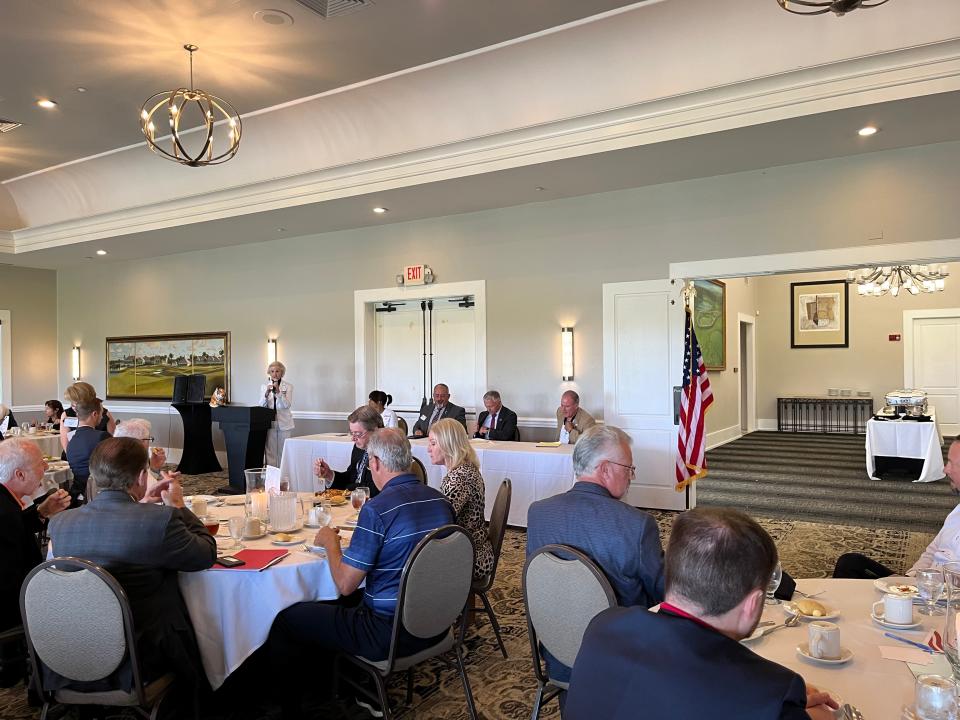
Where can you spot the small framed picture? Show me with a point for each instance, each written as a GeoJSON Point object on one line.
{"type": "Point", "coordinates": [819, 315]}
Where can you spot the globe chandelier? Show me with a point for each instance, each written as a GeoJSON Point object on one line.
{"type": "Point", "coordinates": [175, 104]}
{"type": "Point", "coordinates": [819, 7]}
{"type": "Point", "coordinates": [914, 279]}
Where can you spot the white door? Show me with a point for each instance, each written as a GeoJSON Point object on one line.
{"type": "Point", "coordinates": [399, 353]}
{"type": "Point", "coordinates": [642, 362]}
{"type": "Point", "coordinates": [454, 353]}
{"type": "Point", "coordinates": [935, 365]}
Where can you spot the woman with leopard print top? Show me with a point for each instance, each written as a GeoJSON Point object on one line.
{"type": "Point", "coordinates": [463, 486]}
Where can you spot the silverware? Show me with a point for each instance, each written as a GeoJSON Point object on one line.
{"type": "Point", "coordinates": [809, 596]}
{"type": "Point", "coordinates": [791, 621]}
{"type": "Point", "coordinates": [766, 623]}
{"type": "Point", "coordinates": [850, 712]}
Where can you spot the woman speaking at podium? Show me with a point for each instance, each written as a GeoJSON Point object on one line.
{"type": "Point", "coordinates": [277, 394]}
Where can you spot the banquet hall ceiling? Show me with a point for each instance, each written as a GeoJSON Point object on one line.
{"type": "Point", "coordinates": [122, 52]}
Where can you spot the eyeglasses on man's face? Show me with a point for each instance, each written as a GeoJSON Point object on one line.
{"type": "Point", "coordinates": [631, 468]}
{"type": "Point", "coordinates": [358, 435]}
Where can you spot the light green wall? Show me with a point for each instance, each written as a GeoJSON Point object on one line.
{"type": "Point", "coordinates": [31, 297]}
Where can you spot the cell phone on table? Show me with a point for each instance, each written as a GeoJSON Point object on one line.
{"type": "Point", "coordinates": [229, 561]}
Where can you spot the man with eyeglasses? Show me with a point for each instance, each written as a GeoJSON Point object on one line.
{"type": "Point", "coordinates": [440, 408]}
{"type": "Point", "coordinates": [140, 429]}
{"type": "Point", "coordinates": [363, 422]}
{"type": "Point", "coordinates": [623, 540]}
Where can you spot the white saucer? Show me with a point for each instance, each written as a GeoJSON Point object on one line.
{"type": "Point", "coordinates": [757, 634]}
{"type": "Point", "coordinates": [889, 585]}
{"type": "Point", "coordinates": [894, 626]}
{"type": "Point", "coordinates": [846, 655]}
{"type": "Point", "coordinates": [790, 609]}
{"type": "Point", "coordinates": [293, 541]}
{"type": "Point", "coordinates": [210, 499]}
{"type": "Point", "coordinates": [254, 537]}
{"type": "Point", "coordinates": [234, 499]}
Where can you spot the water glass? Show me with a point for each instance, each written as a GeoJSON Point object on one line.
{"type": "Point", "coordinates": [773, 585]}
{"type": "Point", "coordinates": [236, 526]}
{"type": "Point", "coordinates": [930, 586]}
{"type": "Point", "coordinates": [358, 497]}
{"type": "Point", "coordinates": [935, 698]}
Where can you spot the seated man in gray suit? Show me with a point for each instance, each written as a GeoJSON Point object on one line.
{"type": "Point", "coordinates": [440, 408]}
{"type": "Point", "coordinates": [144, 546]}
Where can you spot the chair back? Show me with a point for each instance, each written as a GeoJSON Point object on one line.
{"type": "Point", "coordinates": [563, 590]}
{"type": "Point", "coordinates": [78, 621]}
{"type": "Point", "coordinates": [417, 468]}
{"type": "Point", "coordinates": [435, 584]}
{"type": "Point", "coordinates": [498, 528]}
{"type": "Point", "coordinates": [402, 425]}
{"type": "Point", "coordinates": [516, 435]}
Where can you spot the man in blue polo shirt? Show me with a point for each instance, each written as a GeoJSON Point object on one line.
{"type": "Point", "coordinates": [388, 529]}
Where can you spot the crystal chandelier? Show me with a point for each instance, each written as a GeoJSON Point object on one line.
{"type": "Point", "coordinates": [819, 7]}
{"type": "Point", "coordinates": [914, 279]}
{"type": "Point", "coordinates": [177, 103]}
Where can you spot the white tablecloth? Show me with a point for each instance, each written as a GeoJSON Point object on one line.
{"type": "Point", "coordinates": [49, 444]}
{"type": "Point", "coordinates": [535, 473]}
{"type": "Point", "coordinates": [232, 610]}
{"type": "Point", "coordinates": [906, 439]}
{"type": "Point", "coordinates": [878, 687]}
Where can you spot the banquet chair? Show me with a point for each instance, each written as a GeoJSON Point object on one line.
{"type": "Point", "coordinates": [495, 532]}
{"type": "Point", "coordinates": [402, 425]}
{"type": "Point", "coordinates": [87, 647]}
{"type": "Point", "coordinates": [433, 593]}
{"type": "Point", "coordinates": [13, 652]}
{"type": "Point", "coordinates": [561, 597]}
{"type": "Point", "coordinates": [417, 468]}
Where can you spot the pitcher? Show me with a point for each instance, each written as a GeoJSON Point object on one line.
{"type": "Point", "coordinates": [283, 511]}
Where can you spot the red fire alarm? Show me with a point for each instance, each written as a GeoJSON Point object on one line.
{"type": "Point", "coordinates": [894, 337]}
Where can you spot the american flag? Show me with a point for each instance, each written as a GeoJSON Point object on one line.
{"type": "Point", "coordinates": [696, 396]}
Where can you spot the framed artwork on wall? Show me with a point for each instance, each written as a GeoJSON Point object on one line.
{"type": "Point", "coordinates": [819, 316]}
{"type": "Point", "coordinates": [710, 322]}
{"type": "Point", "coordinates": [143, 367]}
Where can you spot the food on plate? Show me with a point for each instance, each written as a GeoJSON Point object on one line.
{"type": "Point", "coordinates": [284, 537]}
{"type": "Point", "coordinates": [902, 589]}
{"type": "Point", "coordinates": [810, 607]}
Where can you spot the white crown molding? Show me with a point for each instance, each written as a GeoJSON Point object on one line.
{"type": "Point", "coordinates": [883, 77]}
{"type": "Point", "coordinates": [7, 242]}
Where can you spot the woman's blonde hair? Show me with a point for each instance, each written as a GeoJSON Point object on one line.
{"type": "Point", "coordinates": [453, 443]}
{"type": "Point", "coordinates": [79, 392]}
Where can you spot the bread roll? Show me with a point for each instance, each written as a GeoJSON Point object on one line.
{"type": "Point", "coordinates": [810, 607]}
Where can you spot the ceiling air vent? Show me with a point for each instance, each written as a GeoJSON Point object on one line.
{"type": "Point", "coordinates": [8, 125]}
{"type": "Point", "coordinates": [334, 8]}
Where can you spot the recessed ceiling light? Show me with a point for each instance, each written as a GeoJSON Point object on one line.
{"type": "Point", "coordinates": [81, 89]}
{"type": "Point", "coordinates": [281, 229]}
{"type": "Point", "coordinates": [381, 210]}
{"type": "Point", "coordinates": [273, 17]}
{"type": "Point", "coordinates": [46, 103]}
{"type": "Point", "coordinates": [101, 252]}
{"type": "Point", "coordinates": [539, 188]}
{"type": "Point", "coordinates": [867, 131]}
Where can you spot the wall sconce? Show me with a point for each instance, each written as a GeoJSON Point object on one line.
{"type": "Point", "coordinates": [271, 350]}
{"type": "Point", "coordinates": [566, 353]}
{"type": "Point", "coordinates": [75, 362]}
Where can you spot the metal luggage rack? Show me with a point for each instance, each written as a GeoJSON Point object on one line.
{"type": "Point", "coordinates": [824, 414]}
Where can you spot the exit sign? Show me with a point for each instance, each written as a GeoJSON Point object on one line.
{"type": "Point", "coordinates": [413, 275]}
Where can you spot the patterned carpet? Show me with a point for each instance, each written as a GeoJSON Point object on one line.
{"type": "Point", "coordinates": [505, 688]}
{"type": "Point", "coordinates": [819, 478]}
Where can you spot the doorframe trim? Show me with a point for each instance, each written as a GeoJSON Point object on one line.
{"type": "Point", "coordinates": [752, 386]}
{"type": "Point", "coordinates": [6, 360]}
{"type": "Point", "coordinates": [908, 317]}
{"type": "Point", "coordinates": [364, 327]}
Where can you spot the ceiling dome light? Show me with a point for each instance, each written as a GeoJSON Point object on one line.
{"type": "Point", "coordinates": [867, 131]}
{"type": "Point", "coordinates": [179, 102]}
{"type": "Point", "coordinates": [381, 210]}
{"type": "Point", "coordinates": [101, 252]}
{"type": "Point", "coordinates": [46, 103]}
{"type": "Point", "coordinates": [819, 7]}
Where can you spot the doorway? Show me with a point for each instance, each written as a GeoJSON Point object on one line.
{"type": "Point", "coordinates": [747, 371]}
{"type": "Point", "coordinates": [931, 361]}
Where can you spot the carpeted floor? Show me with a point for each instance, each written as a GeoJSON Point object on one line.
{"type": "Point", "coordinates": [505, 688]}
{"type": "Point", "coordinates": [818, 478]}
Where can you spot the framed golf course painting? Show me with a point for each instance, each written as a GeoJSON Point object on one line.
{"type": "Point", "coordinates": [144, 367]}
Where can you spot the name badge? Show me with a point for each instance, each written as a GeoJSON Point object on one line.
{"type": "Point", "coordinates": [423, 417]}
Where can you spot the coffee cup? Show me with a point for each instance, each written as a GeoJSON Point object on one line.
{"type": "Point", "coordinates": [199, 506]}
{"type": "Point", "coordinates": [31, 430]}
{"type": "Point", "coordinates": [896, 609]}
{"type": "Point", "coordinates": [824, 640]}
{"type": "Point", "coordinates": [253, 527]}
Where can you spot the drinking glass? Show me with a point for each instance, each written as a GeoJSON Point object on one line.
{"type": "Point", "coordinates": [951, 574]}
{"type": "Point", "coordinates": [930, 585]}
{"type": "Point", "coordinates": [358, 497]}
{"type": "Point", "coordinates": [236, 525]}
{"type": "Point", "coordinates": [773, 585]}
{"type": "Point", "coordinates": [284, 484]}
{"type": "Point", "coordinates": [935, 698]}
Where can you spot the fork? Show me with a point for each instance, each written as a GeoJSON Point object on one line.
{"type": "Point", "coordinates": [809, 596]}
{"type": "Point", "coordinates": [791, 621]}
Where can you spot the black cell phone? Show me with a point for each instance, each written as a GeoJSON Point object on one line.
{"type": "Point", "coordinates": [230, 561]}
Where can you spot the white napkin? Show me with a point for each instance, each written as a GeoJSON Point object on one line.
{"type": "Point", "coordinates": [271, 480]}
{"type": "Point", "coordinates": [905, 654]}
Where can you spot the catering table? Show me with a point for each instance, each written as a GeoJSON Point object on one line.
{"type": "Point", "coordinates": [906, 439]}
{"type": "Point", "coordinates": [232, 610]}
{"type": "Point", "coordinates": [878, 687]}
{"type": "Point", "coordinates": [535, 472]}
{"type": "Point", "coordinates": [49, 443]}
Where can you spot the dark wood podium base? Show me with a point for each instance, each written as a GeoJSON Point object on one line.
{"type": "Point", "coordinates": [198, 453]}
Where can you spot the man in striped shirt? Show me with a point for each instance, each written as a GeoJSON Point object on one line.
{"type": "Point", "coordinates": [388, 529]}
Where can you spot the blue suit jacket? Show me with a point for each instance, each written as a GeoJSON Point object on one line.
{"type": "Point", "coordinates": [635, 663]}
{"type": "Point", "coordinates": [623, 540]}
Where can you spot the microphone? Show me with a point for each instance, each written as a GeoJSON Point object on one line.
{"type": "Point", "coordinates": [273, 388]}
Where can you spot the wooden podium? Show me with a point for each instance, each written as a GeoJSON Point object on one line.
{"type": "Point", "coordinates": [245, 433]}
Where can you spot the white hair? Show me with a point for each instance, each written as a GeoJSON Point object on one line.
{"type": "Point", "coordinates": [3, 411]}
{"type": "Point", "coordinates": [136, 428]}
{"type": "Point", "coordinates": [598, 443]}
{"type": "Point", "coordinates": [14, 455]}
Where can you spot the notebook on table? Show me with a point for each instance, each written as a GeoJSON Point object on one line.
{"type": "Point", "coordinates": [256, 560]}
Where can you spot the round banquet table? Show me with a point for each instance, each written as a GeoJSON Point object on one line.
{"type": "Point", "coordinates": [232, 610]}
{"type": "Point", "coordinates": [49, 443]}
{"type": "Point", "coordinates": [878, 687]}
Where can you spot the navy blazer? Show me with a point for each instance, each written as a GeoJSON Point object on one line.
{"type": "Point", "coordinates": [635, 663]}
{"type": "Point", "coordinates": [506, 428]}
{"type": "Point", "coordinates": [347, 480]}
{"type": "Point", "coordinates": [19, 553]}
